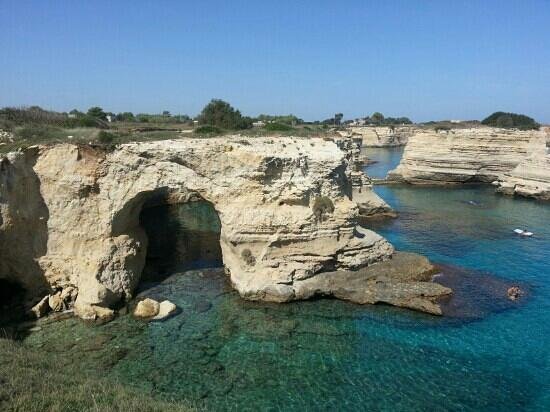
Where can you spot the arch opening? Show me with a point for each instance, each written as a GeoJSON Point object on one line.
{"type": "Point", "coordinates": [180, 236]}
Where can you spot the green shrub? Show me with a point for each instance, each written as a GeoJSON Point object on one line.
{"type": "Point", "coordinates": [278, 127]}
{"type": "Point", "coordinates": [208, 129]}
{"type": "Point", "coordinates": [510, 120]}
{"type": "Point", "coordinates": [322, 206]}
{"type": "Point", "coordinates": [248, 257]}
{"type": "Point", "coordinates": [37, 132]}
{"type": "Point", "coordinates": [221, 114]}
{"type": "Point", "coordinates": [106, 137]}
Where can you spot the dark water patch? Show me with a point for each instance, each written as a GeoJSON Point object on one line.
{"type": "Point", "coordinates": [476, 294]}
{"type": "Point", "coordinates": [180, 237]}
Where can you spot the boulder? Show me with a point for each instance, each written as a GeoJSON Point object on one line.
{"type": "Point", "coordinates": [56, 302]}
{"type": "Point", "coordinates": [41, 308]}
{"type": "Point", "coordinates": [147, 308]}
{"type": "Point", "coordinates": [166, 308]}
{"type": "Point", "coordinates": [514, 293]}
{"type": "Point", "coordinates": [94, 313]}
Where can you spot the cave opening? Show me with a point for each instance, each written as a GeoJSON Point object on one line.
{"type": "Point", "coordinates": [12, 307]}
{"type": "Point", "coordinates": [181, 236]}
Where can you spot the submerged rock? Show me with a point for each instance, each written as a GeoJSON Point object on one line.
{"type": "Point", "coordinates": [514, 293]}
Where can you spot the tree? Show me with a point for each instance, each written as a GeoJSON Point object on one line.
{"type": "Point", "coordinates": [166, 113]}
{"type": "Point", "coordinates": [509, 120]}
{"type": "Point", "coordinates": [377, 118]}
{"type": "Point", "coordinates": [97, 112]}
{"type": "Point", "coordinates": [221, 114]}
{"type": "Point", "coordinates": [338, 118]}
{"type": "Point", "coordinates": [125, 117]}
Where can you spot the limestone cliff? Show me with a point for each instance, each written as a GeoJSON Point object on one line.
{"type": "Point", "coordinates": [70, 214]}
{"type": "Point", "coordinates": [381, 136]}
{"type": "Point", "coordinates": [70, 220]}
{"type": "Point", "coordinates": [531, 177]}
{"type": "Point", "coordinates": [466, 155]}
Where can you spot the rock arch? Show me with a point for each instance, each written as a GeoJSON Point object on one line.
{"type": "Point", "coordinates": [270, 237]}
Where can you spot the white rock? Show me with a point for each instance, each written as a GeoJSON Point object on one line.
{"type": "Point", "coordinates": [481, 154]}
{"type": "Point", "coordinates": [166, 308]}
{"type": "Point", "coordinates": [147, 308]}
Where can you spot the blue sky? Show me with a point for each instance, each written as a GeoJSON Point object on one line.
{"type": "Point", "coordinates": [423, 59]}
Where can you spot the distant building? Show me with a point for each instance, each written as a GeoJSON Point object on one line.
{"type": "Point", "coordinates": [110, 118]}
{"type": "Point", "coordinates": [259, 123]}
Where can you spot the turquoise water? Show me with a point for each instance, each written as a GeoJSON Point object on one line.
{"type": "Point", "coordinates": [229, 354]}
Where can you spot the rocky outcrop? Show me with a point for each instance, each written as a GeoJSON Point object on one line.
{"type": "Point", "coordinates": [70, 214]}
{"type": "Point", "coordinates": [466, 155]}
{"type": "Point", "coordinates": [370, 204]}
{"type": "Point", "coordinates": [403, 281]}
{"type": "Point", "coordinates": [531, 177]}
{"type": "Point", "coordinates": [381, 136]}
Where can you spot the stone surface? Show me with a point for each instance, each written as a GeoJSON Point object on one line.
{"type": "Point", "coordinates": [93, 313]}
{"type": "Point", "coordinates": [56, 302]}
{"type": "Point", "coordinates": [405, 281]}
{"type": "Point", "coordinates": [381, 136]}
{"type": "Point", "coordinates": [73, 212]}
{"type": "Point", "coordinates": [369, 203]}
{"type": "Point", "coordinates": [41, 308]}
{"type": "Point", "coordinates": [531, 177]}
{"type": "Point", "coordinates": [147, 308]}
{"type": "Point", "coordinates": [166, 308]}
{"type": "Point", "coordinates": [466, 155]}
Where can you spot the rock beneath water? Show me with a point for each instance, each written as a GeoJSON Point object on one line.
{"type": "Point", "coordinates": [147, 308]}
{"type": "Point", "coordinates": [166, 308]}
{"type": "Point", "coordinates": [404, 280]}
{"type": "Point", "coordinates": [41, 308]}
{"type": "Point", "coordinates": [514, 293]}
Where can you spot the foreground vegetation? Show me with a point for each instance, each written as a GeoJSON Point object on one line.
{"type": "Point", "coordinates": [31, 380]}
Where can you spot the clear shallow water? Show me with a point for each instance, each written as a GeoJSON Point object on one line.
{"type": "Point", "coordinates": [230, 354]}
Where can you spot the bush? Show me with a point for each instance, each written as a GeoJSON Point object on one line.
{"type": "Point", "coordinates": [247, 256]}
{"type": "Point", "coordinates": [106, 137]}
{"type": "Point", "coordinates": [322, 206]}
{"type": "Point", "coordinates": [510, 120]}
{"type": "Point", "coordinates": [37, 132]}
{"type": "Point", "coordinates": [278, 127]}
{"type": "Point", "coordinates": [208, 129]}
{"type": "Point", "coordinates": [221, 114]}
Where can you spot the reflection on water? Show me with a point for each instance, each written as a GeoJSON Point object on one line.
{"type": "Point", "coordinates": [231, 354]}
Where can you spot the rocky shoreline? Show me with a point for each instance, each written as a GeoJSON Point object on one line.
{"type": "Point", "coordinates": [517, 162]}
{"type": "Point", "coordinates": [288, 209]}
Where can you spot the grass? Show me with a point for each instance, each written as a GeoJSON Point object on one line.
{"type": "Point", "coordinates": [33, 380]}
{"type": "Point", "coordinates": [32, 134]}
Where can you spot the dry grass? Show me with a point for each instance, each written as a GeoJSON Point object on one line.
{"type": "Point", "coordinates": [34, 381]}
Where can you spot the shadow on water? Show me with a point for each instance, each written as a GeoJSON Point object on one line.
{"type": "Point", "coordinates": [180, 237]}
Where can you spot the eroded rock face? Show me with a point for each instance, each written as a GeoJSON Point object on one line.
{"type": "Point", "coordinates": [465, 155]}
{"type": "Point", "coordinates": [531, 177]}
{"type": "Point", "coordinates": [382, 136]}
{"type": "Point", "coordinates": [73, 212]}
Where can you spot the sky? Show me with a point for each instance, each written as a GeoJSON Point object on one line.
{"type": "Point", "coordinates": [428, 60]}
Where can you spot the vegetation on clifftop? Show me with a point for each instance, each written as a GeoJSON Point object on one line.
{"type": "Point", "coordinates": [510, 120]}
